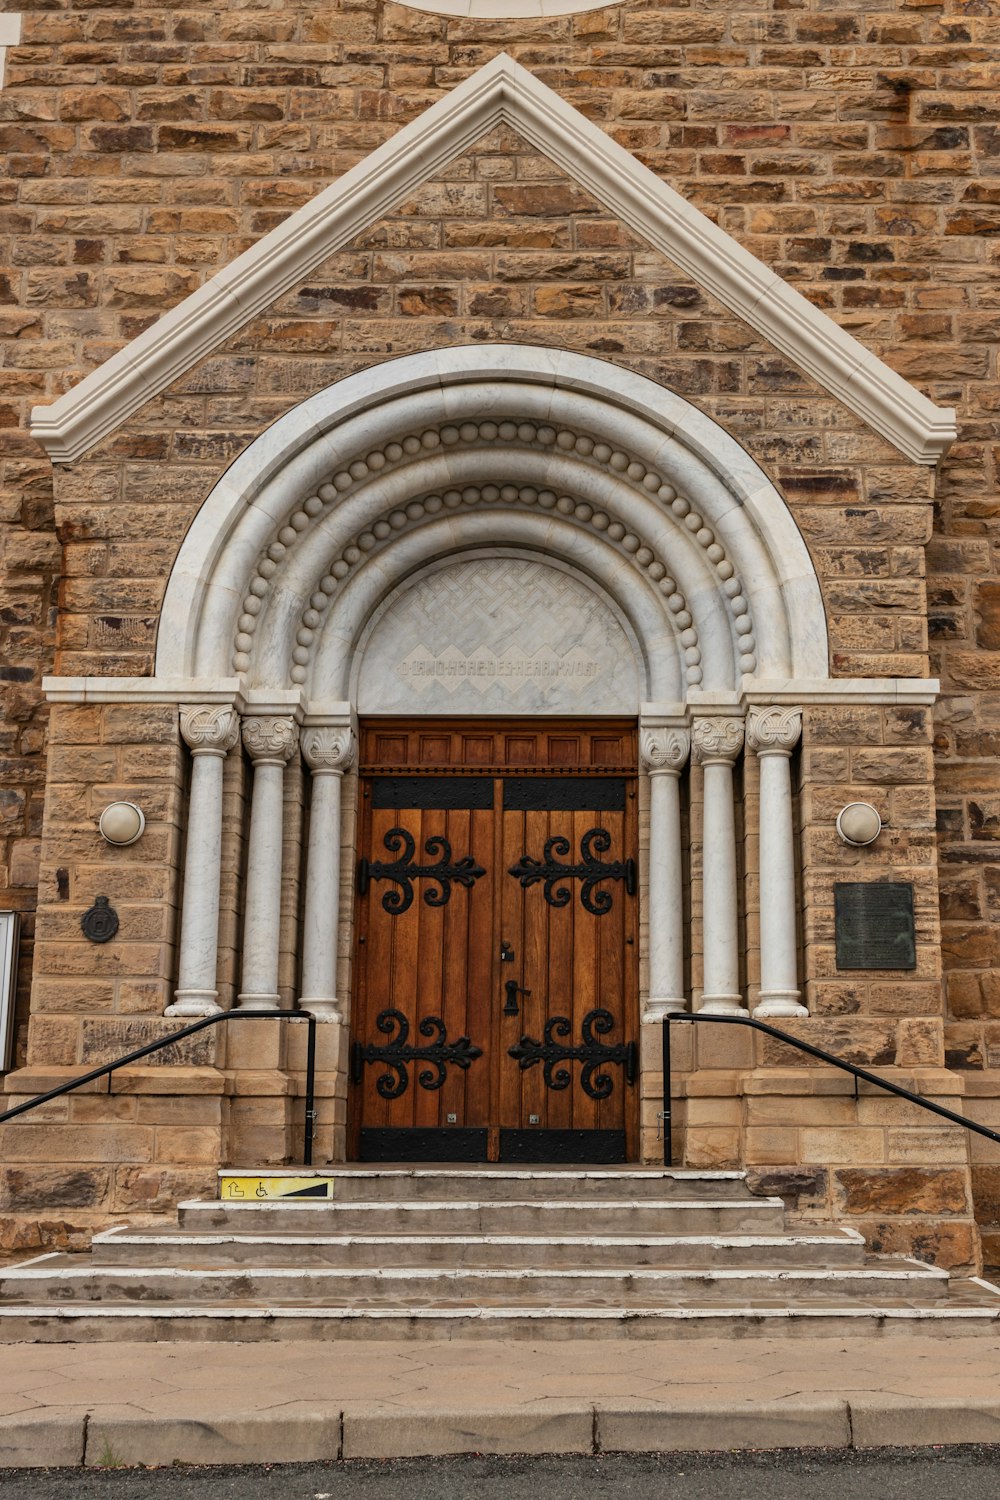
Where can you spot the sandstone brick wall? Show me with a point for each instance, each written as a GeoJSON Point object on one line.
{"type": "Point", "coordinates": [856, 154]}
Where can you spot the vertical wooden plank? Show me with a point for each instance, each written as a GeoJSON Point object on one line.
{"type": "Point", "coordinates": [560, 978]}
{"type": "Point", "coordinates": [425, 981]}
{"type": "Point", "coordinates": [359, 971]}
{"type": "Point", "coordinates": [610, 990]}
{"type": "Point", "coordinates": [405, 950]}
{"type": "Point", "coordinates": [380, 961]}
{"type": "Point", "coordinates": [585, 941]}
{"type": "Point", "coordinates": [534, 1007]}
{"type": "Point", "coordinates": [476, 965]}
{"type": "Point", "coordinates": [513, 930]}
{"type": "Point", "coordinates": [630, 967]}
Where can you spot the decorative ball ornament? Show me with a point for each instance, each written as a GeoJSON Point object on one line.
{"type": "Point", "coordinates": [858, 824]}
{"type": "Point", "coordinates": [122, 823]}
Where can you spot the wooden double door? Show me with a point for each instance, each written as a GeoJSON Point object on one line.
{"type": "Point", "coordinates": [496, 974]}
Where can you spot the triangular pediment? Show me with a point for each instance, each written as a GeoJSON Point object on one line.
{"type": "Point", "coordinates": [500, 93]}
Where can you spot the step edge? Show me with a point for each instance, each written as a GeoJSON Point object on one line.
{"type": "Point", "coordinates": [427, 1273]}
{"type": "Point", "coordinates": [476, 1314]}
{"type": "Point", "coordinates": [722, 1241]}
{"type": "Point", "coordinates": [332, 1205]}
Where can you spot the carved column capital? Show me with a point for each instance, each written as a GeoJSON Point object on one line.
{"type": "Point", "coordinates": [717, 741]}
{"type": "Point", "coordinates": [664, 750]}
{"type": "Point", "coordinates": [328, 748]}
{"type": "Point", "coordinates": [773, 730]}
{"type": "Point", "coordinates": [212, 729]}
{"type": "Point", "coordinates": [270, 739]}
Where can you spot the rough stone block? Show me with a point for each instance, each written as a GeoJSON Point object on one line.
{"type": "Point", "coordinates": [952, 1244]}
{"type": "Point", "coordinates": [850, 1144]}
{"type": "Point", "coordinates": [893, 1190]}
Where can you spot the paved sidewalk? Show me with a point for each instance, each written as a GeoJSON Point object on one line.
{"type": "Point", "coordinates": [283, 1402]}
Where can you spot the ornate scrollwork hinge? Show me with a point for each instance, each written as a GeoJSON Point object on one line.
{"type": "Point", "coordinates": [395, 1054]}
{"type": "Point", "coordinates": [403, 871]}
{"type": "Point", "coordinates": [589, 869]}
{"type": "Point", "coordinates": [592, 1053]}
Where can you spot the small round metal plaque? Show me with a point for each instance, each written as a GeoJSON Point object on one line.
{"type": "Point", "coordinates": [100, 923]}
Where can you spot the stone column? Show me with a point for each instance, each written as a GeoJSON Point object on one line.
{"type": "Point", "coordinates": [717, 742]}
{"type": "Point", "coordinates": [772, 733]}
{"type": "Point", "coordinates": [664, 752]}
{"type": "Point", "coordinates": [328, 751]}
{"type": "Point", "coordinates": [270, 741]}
{"type": "Point", "coordinates": [210, 732]}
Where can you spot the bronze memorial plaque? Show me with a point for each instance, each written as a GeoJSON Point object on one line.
{"type": "Point", "coordinates": [874, 924]}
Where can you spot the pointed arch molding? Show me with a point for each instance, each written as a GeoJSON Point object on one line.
{"type": "Point", "coordinates": [501, 92]}
{"type": "Point", "coordinates": [478, 449]}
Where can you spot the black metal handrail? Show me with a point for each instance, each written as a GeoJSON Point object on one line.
{"type": "Point", "coordinates": [176, 1036]}
{"type": "Point", "coordinates": [687, 1018]}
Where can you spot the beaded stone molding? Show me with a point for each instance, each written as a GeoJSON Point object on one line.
{"type": "Point", "coordinates": [527, 434]}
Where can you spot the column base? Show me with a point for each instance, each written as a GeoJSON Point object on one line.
{"type": "Point", "coordinates": [193, 1004]}
{"type": "Point", "coordinates": [658, 1007]}
{"type": "Point", "coordinates": [780, 1003]}
{"type": "Point", "coordinates": [266, 1003]}
{"type": "Point", "coordinates": [327, 1010]}
{"type": "Point", "coordinates": [723, 1005]}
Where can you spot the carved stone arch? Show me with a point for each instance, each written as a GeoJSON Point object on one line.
{"type": "Point", "coordinates": [494, 446]}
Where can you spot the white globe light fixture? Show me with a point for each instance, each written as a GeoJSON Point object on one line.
{"type": "Point", "coordinates": [858, 824]}
{"type": "Point", "coordinates": [121, 823]}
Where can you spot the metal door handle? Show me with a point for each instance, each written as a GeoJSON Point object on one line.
{"type": "Point", "coordinates": [513, 989]}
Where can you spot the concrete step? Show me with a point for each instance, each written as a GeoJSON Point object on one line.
{"type": "Point", "coordinates": [172, 1247]}
{"type": "Point", "coordinates": [977, 1314]}
{"type": "Point", "coordinates": [476, 1216]}
{"type": "Point", "coordinates": [382, 1184]}
{"type": "Point", "coordinates": [62, 1279]}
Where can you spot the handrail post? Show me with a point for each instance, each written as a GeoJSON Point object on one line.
{"type": "Point", "coordinates": [307, 1143]}
{"type": "Point", "coordinates": [668, 1143]}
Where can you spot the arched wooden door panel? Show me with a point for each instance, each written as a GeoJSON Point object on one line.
{"type": "Point", "coordinates": [496, 991]}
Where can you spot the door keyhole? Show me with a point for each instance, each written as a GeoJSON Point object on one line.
{"type": "Point", "coordinates": [513, 989]}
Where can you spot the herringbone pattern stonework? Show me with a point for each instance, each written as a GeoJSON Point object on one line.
{"type": "Point", "coordinates": [506, 634]}
{"type": "Point", "coordinates": [856, 154]}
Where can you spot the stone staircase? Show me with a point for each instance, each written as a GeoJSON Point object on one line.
{"type": "Point", "coordinates": [491, 1252]}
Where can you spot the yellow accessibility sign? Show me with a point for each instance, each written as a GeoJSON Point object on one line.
{"type": "Point", "coordinates": [249, 1189]}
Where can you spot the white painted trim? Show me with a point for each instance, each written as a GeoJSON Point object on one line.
{"type": "Point", "coordinates": [882, 690]}
{"type": "Point", "coordinates": [10, 35]}
{"type": "Point", "coordinates": [848, 690]}
{"type": "Point", "coordinates": [226, 690]}
{"type": "Point", "coordinates": [501, 92]}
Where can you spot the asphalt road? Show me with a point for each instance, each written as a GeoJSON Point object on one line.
{"type": "Point", "coordinates": [959, 1473]}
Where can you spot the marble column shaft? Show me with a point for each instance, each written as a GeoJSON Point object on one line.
{"type": "Point", "coordinates": [716, 743]}
{"type": "Point", "coordinates": [664, 752]}
{"type": "Point", "coordinates": [270, 741]}
{"type": "Point", "coordinates": [772, 733]}
{"type": "Point", "coordinates": [210, 732]}
{"type": "Point", "coordinates": [328, 751]}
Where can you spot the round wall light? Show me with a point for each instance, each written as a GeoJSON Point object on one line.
{"type": "Point", "coordinates": [122, 823]}
{"type": "Point", "coordinates": [858, 824]}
